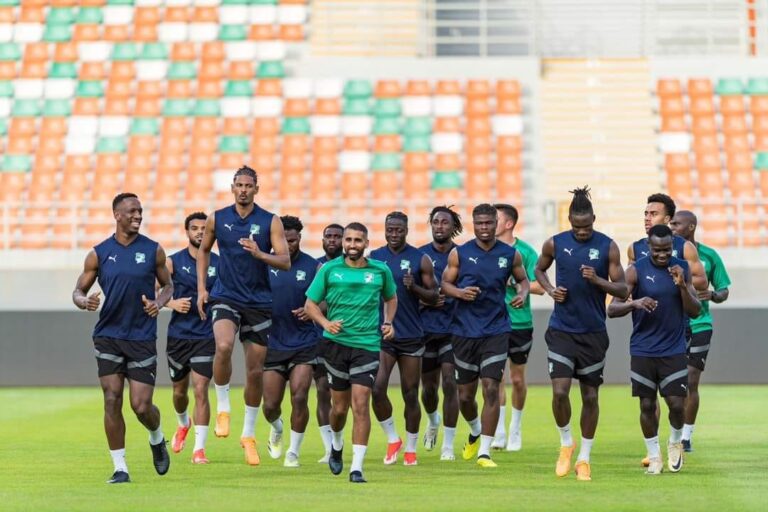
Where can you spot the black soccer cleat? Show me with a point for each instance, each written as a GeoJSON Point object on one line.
{"type": "Point", "coordinates": [687, 445]}
{"type": "Point", "coordinates": [335, 462]}
{"type": "Point", "coordinates": [119, 477]}
{"type": "Point", "coordinates": [356, 477]}
{"type": "Point", "coordinates": [160, 457]}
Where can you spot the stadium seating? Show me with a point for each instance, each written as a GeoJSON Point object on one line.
{"type": "Point", "coordinates": [714, 140]}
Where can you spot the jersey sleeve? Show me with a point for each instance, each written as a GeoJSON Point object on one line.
{"type": "Point", "coordinates": [720, 279]}
{"type": "Point", "coordinates": [389, 288]}
{"type": "Point", "coordinates": [317, 289]}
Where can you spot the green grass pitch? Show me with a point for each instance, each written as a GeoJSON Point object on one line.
{"type": "Point", "coordinates": [53, 456]}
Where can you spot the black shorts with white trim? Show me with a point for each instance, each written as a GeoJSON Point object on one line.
{"type": "Point", "coordinates": [137, 360]}
{"type": "Point", "coordinates": [667, 375]}
{"type": "Point", "coordinates": [254, 324]}
{"type": "Point", "coordinates": [698, 349]}
{"type": "Point", "coordinates": [438, 350]}
{"type": "Point", "coordinates": [520, 343]}
{"type": "Point", "coordinates": [480, 357]}
{"type": "Point", "coordinates": [185, 355]}
{"type": "Point", "coordinates": [407, 347]}
{"type": "Point", "coordinates": [284, 361]}
{"type": "Point", "coordinates": [348, 365]}
{"type": "Point", "coordinates": [577, 355]}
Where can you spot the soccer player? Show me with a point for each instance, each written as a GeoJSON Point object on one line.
{"type": "Point", "coordinates": [332, 235]}
{"type": "Point", "coordinates": [521, 337]}
{"type": "Point", "coordinates": [436, 319]}
{"type": "Point", "coordinates": [352, 288]}
{"type": "Point", "coordinates": [291, 352]}
{"type": "Point", "coordinates": [588, 266]}
{"type": "Point", "coordinates": [126, 265]}
{"type": "Point", "coordinates": [700, 336]}
{"type": "Point", "coordinates": [660, 210]}
{"type": "Point", "coordinates": [478, 274]}
{"type": "Point", "coordinates": [251, 241]}
{"type": "Point", "coordinates": [664, 298]}
{"type": "Point", "coordinates": [191, 345]}
{"type": "Point", "coordinates": [415, 279]}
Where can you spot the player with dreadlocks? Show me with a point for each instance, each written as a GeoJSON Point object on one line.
{"type": "Point", "coordinates": [588, 266]}
{"type": "Point", "coordinates": [437, 360]}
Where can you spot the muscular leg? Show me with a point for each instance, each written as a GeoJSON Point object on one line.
{"type": "Point", "coordinates": [224, 332]}
{"type": "Point", "coordinates": [202, 414]}
{"type": "Point", "coordinates": [429, 384]}
{"type": "Point", "coordinates": [323, 411]}
{"type": "Point", "coordinates": [692, 402]}
{"type": "Point", "coordinates": [450, 396]}
{"type": "Point", "coordinates": [254, 372]}
{"type": "Point", "coordinates": [676, 406]}
{"type": "Point", "coordinates": [649, 423]}
{"type": "Point", "coordinates": [274, 390]}
{"type": "Point", "coordinates": [301, 380]}
{"type": "Point", "coordinates": [382, 407]}
{"type": "Point", "coordinates": [519, 386]}
{"type": "Point", "coordinates": [490, 414]}
{"type": "Point", "coordinates": [361, 427]}
{"type": "Point", "coordinates": [114, 424]}
{"type": "Point", "coordinates": [340, 402]}
{"type": "Point", "coordinates": [410, 372]}
{"type": "Point", "coordinates": [561, 402]}
{"type": "Point", "coordinates": [180, 396]}
{"type": "Point", "coordinates": [467, 402]}
{"type": "Point", "coordinates": [590, 410]}
{"type": "Point", "coordinates": [141, 403]}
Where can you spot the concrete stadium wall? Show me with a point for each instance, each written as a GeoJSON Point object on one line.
{"type": "Point", "coordinates": [54, 348]}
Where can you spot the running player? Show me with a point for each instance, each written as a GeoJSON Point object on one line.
{"type": "Point", "coordinates": [664, 299]}
{"type": "Point", "coordinates": [250, 240]}
{"type": "Point", "coordinates": [332, 235]}
{"type": "Point", "coordinates": [126, 265]}
{"type": "Point", "coordinates": [588, 266]}
{"type": "Point", "coordinates": [191, 345]}
{"type": "Point", "coordinates": [660, 210]}
{"type": "Point", "coordinates": [684, 224]}
{"type": "Point", "coordinates": [521, 338]}
{"type": "Point", "coordinates": [478, 274]}
{"type": "Point", "coordinates": [415, 279]}
{"type": "Point", "coordinates": [436, 319]}
{"type": "Point", "coordinates": [291, 353]}
{"type": "Point", "coordinates": [352, 288]}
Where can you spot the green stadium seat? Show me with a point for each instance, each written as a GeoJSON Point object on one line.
{"type": "Point", "coordinates": [271, 69]}
{"type": "Point", "coordinates": [26, 108]}
{"type": "Point", "coordinates": [9, 3]}
{"type": "Point", "coordinates": [356, 107]}
{"type": "Point", "coordinates": [145, 126]}
{"type": "Point", "coordinates": [233, 33]}
{"type": "Point", "coordinates": [387, 108]}
{"type": "Point", "coordinates": [233, 144]}
{"type": "Point", "coordinates": [125, 51]}
{"type": "Point", "coordinates": [57, 108]}
{"type": "Point", "coordinates": [206, 108]}
{"type": "Point", "coordinates": [758, 86]}
{"type": "Point", "coordinates": [235, 2]}
{"type": "Point", "coordinates": [63, 70]}
{"type": "Point", "coordinates": [386, 125]}
{"type": "Point", "coordinates": [182, 71]}
{"type": "Point", "coordinates": [17, 163]}
{"type": "Point", "coordinates": [295, 125]}
{"type": "Point", "coordinates": [238, 88]}
{"type": "Point", "coordinates": [761, 161]}
{"type": "Point", "coordinates": [3, 126]}
{"type": "Point", "coordinates": [729, 86]}
{"type": "Point", "coordinates": [446, 180]}
{"type": "Point", "coordinates": [111, 145]}
{"type": "Point", "coordinates": [89, 15]}
{"type": "Point", "coordinates": [120, 2]}
{"type": "Point", "coordinates": [89, 89]}
{"type": "Point", "coordinates": [259, 2]}
{"type": "Point", "coordinates": [154, 51]}
{"type": "Point", "coordinates": [10, 51]}
{"type": "Point", "coordinates": [416, 144]}
{"type": "Point", "coordinates": [57, 33]}
{"type": "Point", "coordinates": [417, 126]}
{"type": "Point", "coordinates": [358, 89]}
{"type": "Point", "coordinates": [60, 16]}
{"type": "Point", "coordinates": [177, 108]}
{"type": "Point", "coordinates": [385, 162]}
{"type": "Point", "coordinates": [6, 89]}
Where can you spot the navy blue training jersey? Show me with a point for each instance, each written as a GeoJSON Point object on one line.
{"type": "Point", "coordinates": [584, 308]}
{"type": "Point", "coordinates": [243, 280]}
{"type": "Point", "coordinates": [126, 272]}
{"type": "Point", "coordinates": [188, 326]}
{"type": "Point", "coordinates": [407, 322]}
{"type": "Point", "coordinates": [437, 320]}
{"type": "Point", "coordinates": [641, 250]}
{"type": "Point", "coordinates": [489, 270]}
{"type": "Point", "coordinates": [662, 332]}
{"type": "Point", "coordinates": [288, 332]}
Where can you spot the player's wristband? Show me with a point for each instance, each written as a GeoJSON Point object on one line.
{"type": "Point", "coordinates": [387, 323]}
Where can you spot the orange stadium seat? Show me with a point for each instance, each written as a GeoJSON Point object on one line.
{"type": "Point", "coordinates": [700, 87]}
{"type": "Point", "coordinates": [668, 87]}
{"type": "Point", "coordinates": [418, 88]}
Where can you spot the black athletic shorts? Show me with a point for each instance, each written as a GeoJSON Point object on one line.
{"type": "Point", "coordinates": [320, 372]}
{"type": "Point", "coordinates": [438, 350]}
{"type": "Point", "coordinates": [137, 360]}
{"type": "Point", "coordinates": [253, 324]}
{"type": "Point", "coordinates": [283, 361]}
{"type": "Point", "coordinates": [480, 357]}
{"type": "Point", "coordinates": [520, 342]}
{"type": "Point", "coordinates": [577, 355]}
{"type": "Point", "coordinates": [346, 365]}
{"type": "Point", "coordinates": [410, 347]}
{"type": "Point", "coordinates": [668, 375]}
{"type": "Point", "coordinates": [698, 349]}
{"type": "Point", "coordinates": [186, 355]}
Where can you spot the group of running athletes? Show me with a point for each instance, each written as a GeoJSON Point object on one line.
{"type": "Point", "coordinates": [449, 315]}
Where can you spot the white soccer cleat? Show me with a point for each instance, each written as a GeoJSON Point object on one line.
{"type": "Point", "coordinates": [447, 455]}
{"type": "Point", "coordinates": [675, 457]}
{"type": "Point", "coordinates": [291, 460]}
{"type": "Point", "coordinates": [430, 436]}
{"type": "Point", "coordinates": [275, 444]}
{"type": "Point", "coordinates": [499, 441]}
{"type": "Point", "coordinates": [514, 442]}
{"type": "Point", "coordinates": [655, 466]}
{"type": "Point", "coordinates": [324, 458]}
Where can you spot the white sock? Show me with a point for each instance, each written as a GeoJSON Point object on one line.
{"type": "Point", "coordinates": [156, 436]}
{"type": "Point", "coordinates": [222, 398]}
{"type": "Point", "coordinates": [118, 459]}
{"type": "Point", "coordinates": [448, 434]}
{"type": "Point", "coordinates": [675, 435]}
{"type": "Point", "coordinates": [296, 439]}
{"type": "Point", "coordinates": [337, 440]}
{"type": "Point", "coordinates": [474, 427]}
{"type": "Point", "coordinates": [586, 448]}
{"type": "Point", "coordinates": [565, 435]}
{"type": "Point", "coordinates": [201, 434]}
{"type": "Point", "coordinates": [500, 432]}
{"type": "Point", "coordinates": [687, 432]}
{"type": "Point", "coordinates": [516, 421]}
{"type": "Point", "coordinates": [411, 441]}
{"type": "Point", "coordinates": [326, 434]}
{"type": "Point", "coordinates": [358, 454]}
{"type": "Point", "coordinates": [389, 429]}
{"type": "Point", "coordinates": [249, 421]}
{"type": "Point", "coordinates": [652, 445]}
{"type": "Point", "coordinates": [434, 418]}
{"type": "Point", "coordinates": [277, 425]}
{"type": "Point", "coordinates": [485, 446]}
{"type": "Point", "coordinates": [183, 418]}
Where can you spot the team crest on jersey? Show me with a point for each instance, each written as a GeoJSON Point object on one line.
{"type": "Point", "coordinates": [405, 264]}
{"type": "Point", "coordinates": [368, 277]}
{"type": "Point", "coordinates": [674, 253]}
{"type": "Point", "coordinates": [301, 275]}
{"type": "Point", "coordinates": [594, 254]}
{"type": "Point", "coordinates": [141, 257]}
{"type": "Point", "coordinates": [503, 262]}
{"type": "Point", "coordinates": [255, 229]}
{"type": "Point", "coordinates": [211, 271]}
